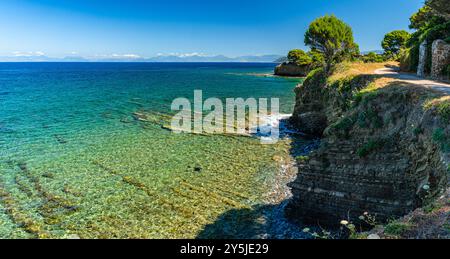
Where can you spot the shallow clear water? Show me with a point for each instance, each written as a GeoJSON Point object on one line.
{"type": "Point", "coordinates": [74, 161]}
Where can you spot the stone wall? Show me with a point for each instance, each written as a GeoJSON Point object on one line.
{"type": "Point", "coordinates": [440, 59]}
{"type": "Point", "coordinates": [422, 59]}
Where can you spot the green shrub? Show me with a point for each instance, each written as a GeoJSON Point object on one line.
{"type": "Point", "coordinates": [432, 208]}
{"type": "Point", "coordinates": [302, 158]}
{"type": "Point", "coordinates": [343, 126]}
{"type": "Point", "coordinates": [372, 57]}
{"type": "Point", "coordinates": [440, 138]}
{"type": "Point", "coordinates": [405, 59]}
{"type": "Point", "coordinates": [438, 135]}
{"type": "Point", "coordinates": [370, 118]}
{"type": "Point", "coordinates": [316, 78]}
{"type": "Point", "coordinates": [441, 106]}
{"type": "Point", "coordinates": [396, 228]}
{"type": "Point", "coordinates": [370, 147]}
{"type": "Point", "coordinates": [418, 131]}
{"type": "Point", "coordinates": [443, 110]}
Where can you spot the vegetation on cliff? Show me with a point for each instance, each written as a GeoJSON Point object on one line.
{"type": "Point", "coordinates": [384, 151]}
{"type": "Point", "coordinates": [299, 57]}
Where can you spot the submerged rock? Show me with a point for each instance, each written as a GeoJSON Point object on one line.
{"type": "Point", "coordinates": [48, 175]}
{"type": "Point", "coordinates": [23, 166]}
{"type": "Point", "coordinates": [60, 139]}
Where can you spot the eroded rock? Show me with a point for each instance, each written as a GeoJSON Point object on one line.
{"type": "Point", "coordinates": [311, 123]}
{"type": "Point", "coordinates": [291, 69]}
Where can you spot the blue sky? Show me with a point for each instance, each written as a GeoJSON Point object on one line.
{"type": "Point", "coordinates": [145, 28]}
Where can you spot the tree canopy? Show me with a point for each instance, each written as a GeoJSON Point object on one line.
{"type": "Point", "coordinates": [332, 38]}
{"type": "Point", "coordinates": [299, 57]}
{"type": "Point", "coordinates": [431, 22]}
{"type": "Point", "coordinates": [372, 57]}
{"type": "Point", "coordinates": [439, 7]}
{"type": "Point", "coordinates": [394, 41]}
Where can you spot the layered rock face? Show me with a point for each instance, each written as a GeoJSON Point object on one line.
{"type": "Point", "coordinates": [291, 69]}
{"type": "Point", "coordinates": [380, 155]}
{"type": "Point", "coordinates": [441, 59]}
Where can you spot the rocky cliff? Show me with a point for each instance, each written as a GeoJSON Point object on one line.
{"type": "Point", "coordinates": [291, 69]}
{"type": "Point", "coordinates": [384, 149]}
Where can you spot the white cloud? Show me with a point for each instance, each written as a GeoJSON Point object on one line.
{"type": "Point", "coordinates": [29, 54]}
{"type": "Point", "coordinates": [126, 56]}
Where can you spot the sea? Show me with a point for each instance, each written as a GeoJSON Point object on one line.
{"type": "Point", "coordinates": [84, 152]}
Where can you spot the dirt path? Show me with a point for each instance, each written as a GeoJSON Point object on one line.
{"type": "Point", "coordinates": [412, 79]}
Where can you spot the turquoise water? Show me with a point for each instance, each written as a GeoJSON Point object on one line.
{"type": "Point", "coordinates": [74, 161]}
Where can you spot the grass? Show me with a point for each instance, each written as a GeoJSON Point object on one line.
{"type": "Point", "coordinates": [357, 68]}
{"type": "Point", "coordinates": [441, 106]}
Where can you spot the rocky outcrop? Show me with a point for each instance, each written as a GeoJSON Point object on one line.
{"type": "Point", "coordinates": [441, 59]}
{"type": "Point", "coordinates": [291, 69]}
{"type": "Point", "coordinates": [382, 152]}
{"type": "Point", "coordinates": [311, 123]}
{"type": "Point", "coordinates": [309, 113]}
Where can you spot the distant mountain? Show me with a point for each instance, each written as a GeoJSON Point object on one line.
{"type": "Point", "coordinates": [28, 59]}
{"type": "Point", "coordinates": [264, 58]}
{"type": "Point", "coordinates": [376, 51]}
{"type": "Point", "coordinates": [194, 57]}
{"type": "Point", "coordinates": [218, 58]}
{"type": "Point", "coordinates": [74, 59]}
{"type": "Point", "coordinates": [189, 58]}
{"type": "Point", "coordinates": [281, 60]}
